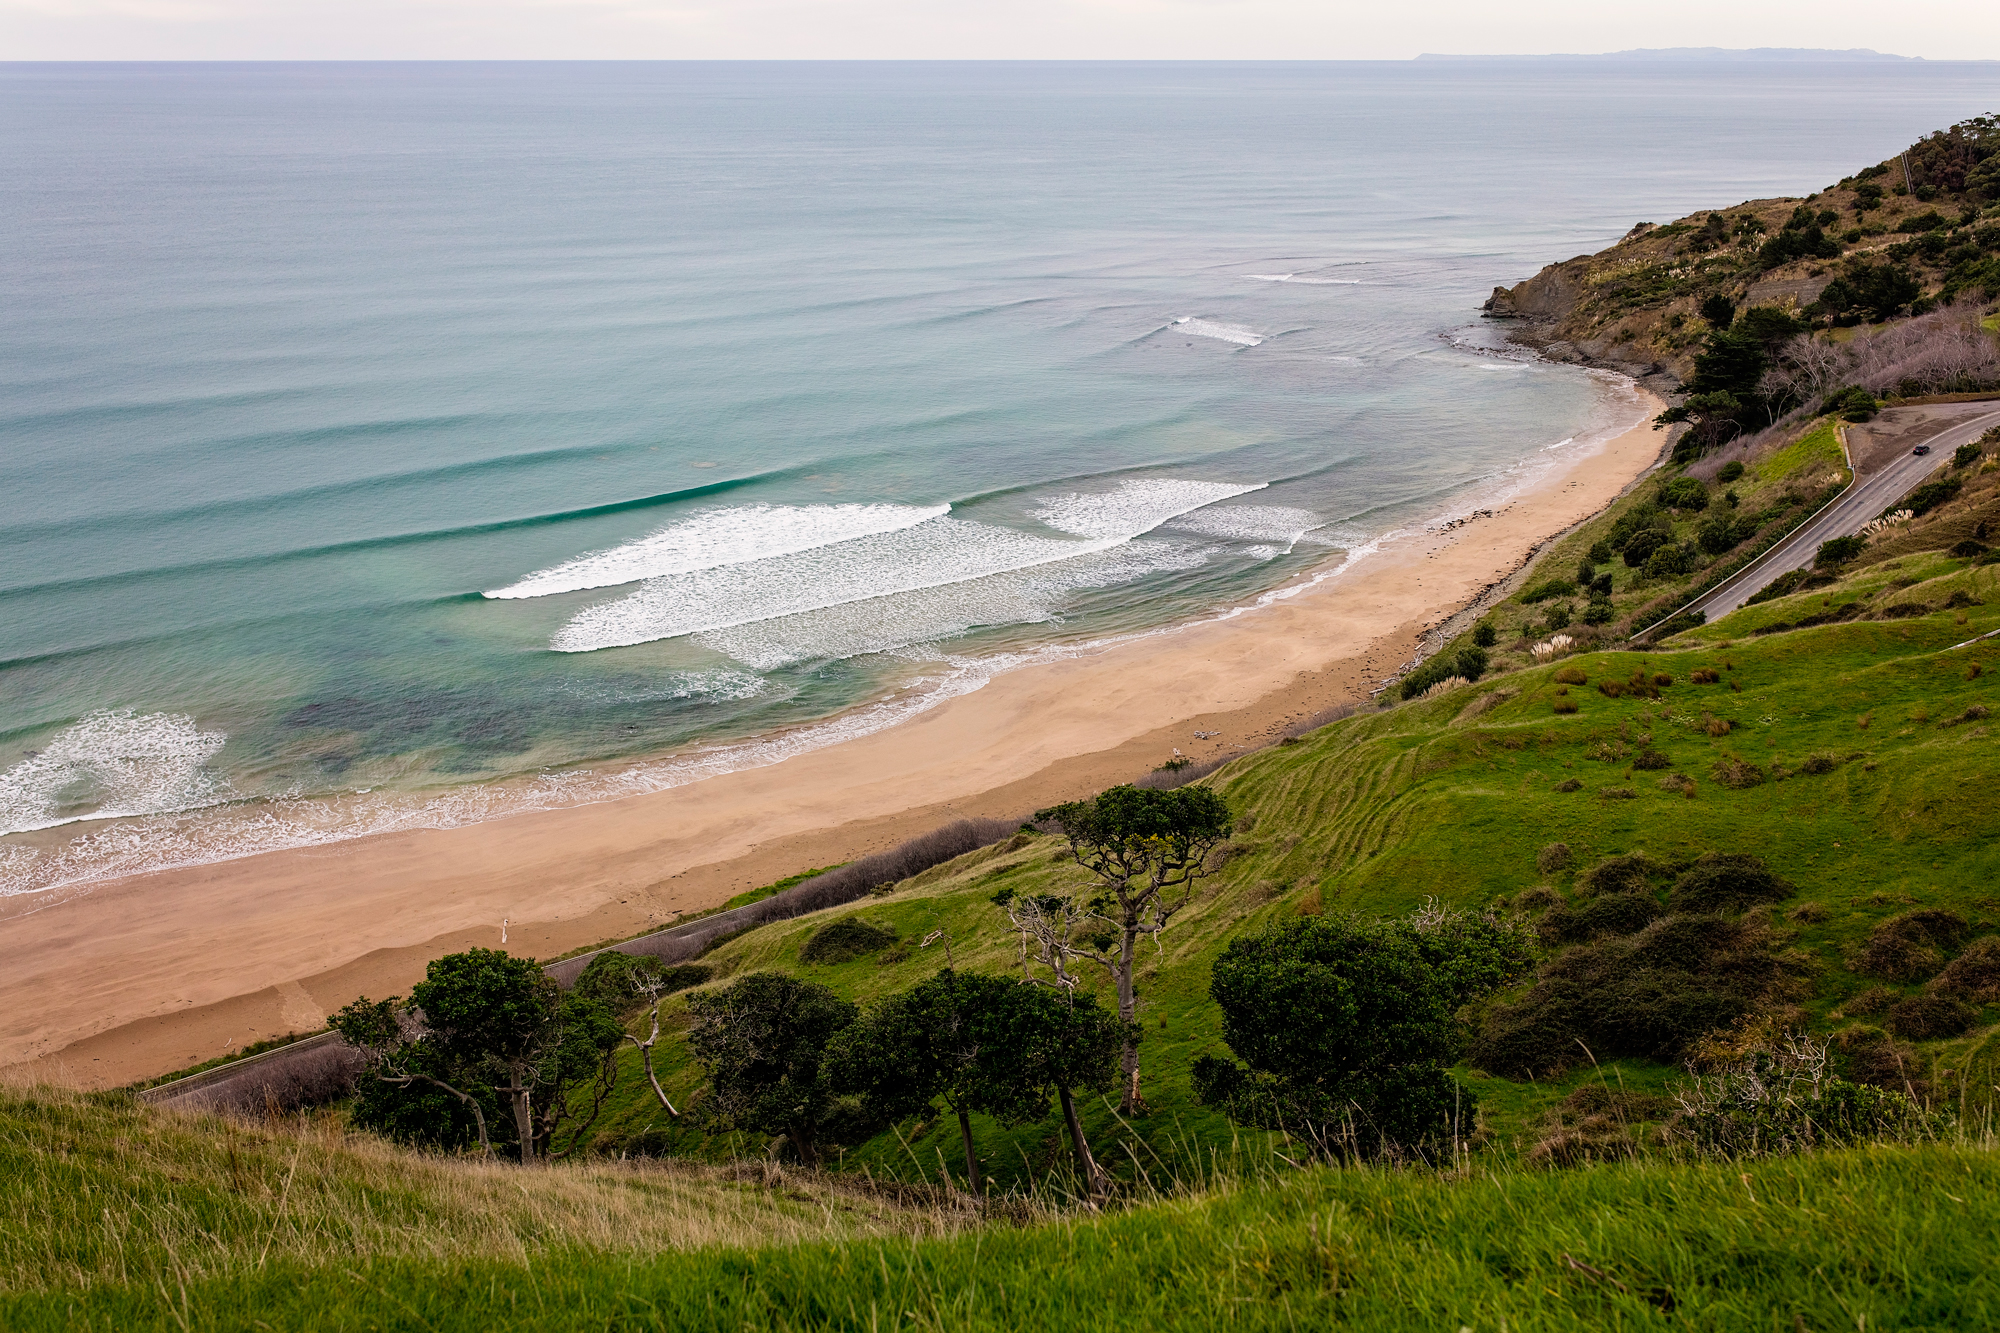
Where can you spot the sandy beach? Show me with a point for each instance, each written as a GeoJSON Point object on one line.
{"type": "Point", "coordinates": [151, 973]}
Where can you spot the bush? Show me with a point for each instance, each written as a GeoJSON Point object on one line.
{"type": "Point", "coordinates": [1557, 616]}
{"type": "Point", "coordinates": [1571, 675]}
{"type": "Point", "coordinates": [1347, 1025]}
{"type": "Point", "coordinates": [1735, 774]}
{"type": "Point", "coordinates": [1484, 635]}
{"type": "Point", "coordinates": [1649, 995]}
{"type": "Point", "coordinates": [1641, 547]}
{"type": "Point", "coordinates": [1599, 612]}
{"type": "Point", "coordinates": [1468, 663]}
{"type": "Point", "coordinates": [1704, 676]}
{"type": "Point", "coordinates": [1622, 874]}
{"type": "Point", "coordinates": [1932, 494]}
{"type": "Point", "coordinates": [1652, 761]}
{"type": "Point", "coordinates": [1553, 858]}
{"type": "Point", "coordinates": [1537, 899]}
{"type": "Point", "coordinates": [1601, 553]}
{"type": "Point", "coordinates": [1726, 883]}
{"type": "Point", "coordinates": [1679, 624]}
{"type": "Point", "coordinates": [1683, 493]}
{"type": "Point", "coordinates": [1967, 454]}
{"type": "Point", "coordinates": [1818, 764]}
{"type": "Point", "coordinates": [1784, 1099]}
{"type": "Point", "coordinates": [1611, 914]}
{"type": "Point", "coordinates": [1838, 550]}
{"type": "Point", "coordinates": [845, 940]}
{"type": "Point", "coordinates": [1546, 590]}
{"type": "Point", "coordinates": [1929, 1017]}
{"type": "Point", "coordinates": [1565, 705]}
{"type": "Point", "coordinates": [1911, 946]}
{"type": "Point", "coordinates": [1568, 784]}
{"type": "Point", "coordinates": [621, 982]}
{"type": "Point", "coordinates": [1729, 472]}
{"type": "Point", "coordinates": [1975, 974]}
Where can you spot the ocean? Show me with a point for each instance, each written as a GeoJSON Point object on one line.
{"type": "Point", "coordinates": [397, 445]}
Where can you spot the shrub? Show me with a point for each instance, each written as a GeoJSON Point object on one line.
{"type": "Point", "coordinates": [1347, 1025]}
{"type": "Point", "coordinates": [1868, 1055]}
{"type": "Point", "coordinates": [1537, 899]}
{"type": "Point", "coordinates": [1599, 612]}
{"type": "Point", "coordinates": [1967, 454]}
{"type": "Point", "coordinates": [1547, 590]}
{"type": "Point", "coordinates": [1932, 494]}
{"type": "Point", "coordinates": [1568, 784]}
{"type": "Point", "coordinates": [845, 940]}
{"type": "Point", "coordinates": [1726, 883]}
{"type": "Point", "coordinates": [1816, 764]}
{"type": "Point", "coordinates": [1729, 472]}
{"type": "Point", "coordinates": [1649, 995]}
{"type": "Point", "coordinates": [1679, 782]}
{"type": "Point", "coordinates": [1633, 873]}
{"type": "Point", "coordinates": [623, 982]}
{"type": "Point", "coordinates": [1911, 946]}
{"type": "Point", "coordinates": [1967, 549]}
{"type": "Point", "coordinates": [1611, 914]}
{"type": "Point", "coordinates": [1557, 616]}
{"type": "Point", "coordinates": [1929, 1017]}
{"type": "Point", "coordinates": [1565, 705]}
{"type": "Point", "coordinates": [1683, 493]}
{"type": "Point", "coordinates": [1571, 675]}
{"type": "Point", "coordinates": [1468, 663]}
{"type": "Point", "coordinates": [1838, 550]}
{"type": "Point", "coordinates": [1735, 774]}
{"type": "Point", "coordinates": [1680, 624]}
{"type": "Point", "coordinates": [1640, 548]}
{"type": "Point", "coordinates": [1484, 635]}
{"type": "Point", "coordinates": [1652, 760]}
{"type": "Point", "coordinates": [1809, 913]}
{"type": "Point", "coordinates": [1704, 676]}
{"type": "Point", "coordinates": [1552, 858]}
{"type": "Point", "coordinates": [1785, 1099]}
{"type": "Point", "coordinates": [1975, 974]}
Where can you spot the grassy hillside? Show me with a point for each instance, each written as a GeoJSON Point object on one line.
{"type": "Point", "coordinates": [1453, 798]}
{"type": "Point", "coordinates": [121, 1218]}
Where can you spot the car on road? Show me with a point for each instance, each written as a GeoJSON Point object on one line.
{"type": "Point", "coordinates": [1921, 450]}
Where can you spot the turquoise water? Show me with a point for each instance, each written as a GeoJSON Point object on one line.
{"type": "Point", "coordinates": [402, 444]}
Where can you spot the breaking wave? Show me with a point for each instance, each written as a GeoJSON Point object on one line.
{"type": "Point", "coordinates": [112, 765]}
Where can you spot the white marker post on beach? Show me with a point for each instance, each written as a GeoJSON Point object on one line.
{"type": "Point", "coordinates": [503, 930]}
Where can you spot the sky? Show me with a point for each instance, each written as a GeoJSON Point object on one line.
{"type": "Point", "coordinates": [965, 29]}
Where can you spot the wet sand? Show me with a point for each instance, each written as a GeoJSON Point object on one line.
{"type": "Point", "coordinates": [154, 972]}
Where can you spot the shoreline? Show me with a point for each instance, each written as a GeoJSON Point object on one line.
{"type": "Point", "coordinates": [133, 977]}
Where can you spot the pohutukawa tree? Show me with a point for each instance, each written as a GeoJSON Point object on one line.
{"type": "Point", "coordinates": [1147, 849]}
{"type": "Point", "coordinates": [485, 1019]}
{"type": "Point", "coordinates": [762, 1042]}
{"type": "Point", "coordinates": [960, 1038]}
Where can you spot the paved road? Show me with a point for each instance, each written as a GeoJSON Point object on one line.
{"type": "Point", "coordinates": [1864, 500]}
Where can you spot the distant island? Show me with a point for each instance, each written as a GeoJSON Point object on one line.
{"type": "Point", "coordinates": [1684, 53]}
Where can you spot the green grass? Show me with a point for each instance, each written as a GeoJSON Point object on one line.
{"type": "Point", "coordinates": [1378, 812]}
{"type": "Point", "coordinates": [117, 1216]}
{"type": "Point", "coordinates": [1873, 1239]}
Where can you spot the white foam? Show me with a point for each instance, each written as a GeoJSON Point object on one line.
{"type": "Point", "coordinates": [933, 554]}
{"type": "Point", "coordinates": [112, 765]}
{"type": "Point", "coordinates": [717, 537]}
{"type": "Point", "coordinates": [1304, 280]}
{"type": "Point", "coordinates": [903, 623]}
{"type": "Point", "coordinates": [1251, 523]}
{"type": "Point", "coordinates": [1207, 328]}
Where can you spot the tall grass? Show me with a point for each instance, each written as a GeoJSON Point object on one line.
{"type": "Point", "coordinates": [232, 1228]}
{"type": "Point", "coordinates": [98, 1189]}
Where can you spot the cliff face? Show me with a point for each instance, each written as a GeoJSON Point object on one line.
{"type": "Point", "coordinates": [1635, 307]}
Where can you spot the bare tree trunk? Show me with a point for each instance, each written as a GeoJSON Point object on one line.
{"type": "Point", "coordinates": [1129, 1101]}
{"type": "Point", "coordinates": [1093, 1174]}
{"type": "Point", "coordinates": [971, 1157]}
{"type": "Point", "coordinates": [646, 1058]}
{"type": "Point", "coordinates": [518, 1094]}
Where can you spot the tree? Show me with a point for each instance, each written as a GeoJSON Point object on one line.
{"type": "Point", "coordinates": [1716, 417]}
{"type": "Point", "coordinates": [957, 1037]}
{"type": "Point", "coordinates": [485, 1018]}
{"type": "Point", "coordinates": [762, 1042]}
{"type": "Point", "coordinates": [1147, 848]}
{"type": "Point", "coordinates": [1347, 1024]}
{"type": "Point", "coordinates": [390, 1039]}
